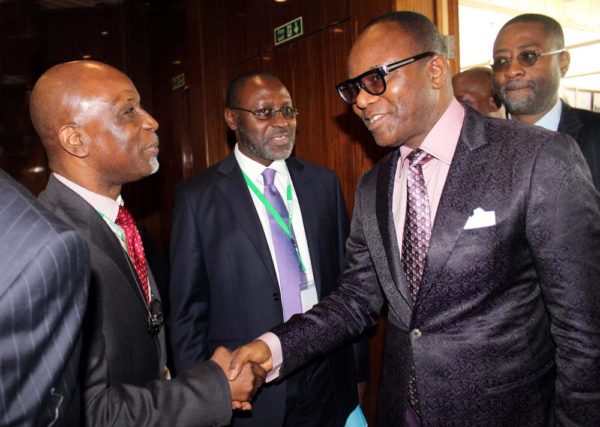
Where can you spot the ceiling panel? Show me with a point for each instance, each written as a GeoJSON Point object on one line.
{"type": "Point", "coordinates": [64, 4]}
{"type": "Point", "coordinates": [480, 21]}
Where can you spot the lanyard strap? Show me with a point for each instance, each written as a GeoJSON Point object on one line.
{"type": "Point", "coordinates": [273, 212]}
{"type": "Point", "coordinates": [116, 229]}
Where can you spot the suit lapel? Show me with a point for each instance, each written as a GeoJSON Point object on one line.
{"type": "Point", "coordinates": [570, 123]}
{"type": "Point", "coordinates": [236, 193]}
{"type": "Point", "coordinates": [466, 182]}
{"type": "Point", "coordinates": [87, 221]}
{"type": "Point", "coordinates": [387, 228]}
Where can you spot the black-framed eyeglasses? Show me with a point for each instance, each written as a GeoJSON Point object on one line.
{"type": "Point", "coordinates": [527, 58]}
{"type": "Point", "coordinates": [373, 81]}
{"type": "Point", "coordinates": [287, 113]}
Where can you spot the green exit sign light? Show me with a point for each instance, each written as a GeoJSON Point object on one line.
{"type": "Point", "coordinates": [288, 31]}
{"type": "Point", "coordinates": [178, 81]}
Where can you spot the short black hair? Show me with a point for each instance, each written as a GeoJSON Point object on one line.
{"type": "Point", "coordinates": [551, 26]}
{"type": "Point", "coordinates": [422, 30]}
{"type": "Point", "coordinates": [236, 84]}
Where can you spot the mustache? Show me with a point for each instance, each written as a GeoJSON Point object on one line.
{"type": "Point", "coordinates": [520, 85]}
{"type": "Point", "coordinates": [279, 133]}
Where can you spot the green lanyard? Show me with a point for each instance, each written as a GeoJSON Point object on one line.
{"type": "Point", "coordinates": [282, 224]}
{"type": "Point", "coordinates": [116, 229]}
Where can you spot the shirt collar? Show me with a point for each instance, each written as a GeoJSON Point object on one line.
{"type": "Point", "coordinates": [442, 139]}
{"type": "Point", "coordinates": [551, 119]}
{"type": "Point", "coordinates": [105, 205]}
{"type": "Point", "coordinates": [254, 169]}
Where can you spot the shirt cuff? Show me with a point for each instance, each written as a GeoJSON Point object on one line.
{"type": "Point", "coordinates": [272, 341]}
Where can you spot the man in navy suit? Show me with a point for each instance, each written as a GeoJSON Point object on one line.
{"type": "Point", "coordinates": [502, 326]}
{"type": "Point", "coordinates": [529, 61]}
{"type": "Point", "coordinates": [43, 296]}
{"type": "Point", "coordinates": [227, 284]}
{"type": "Point", "coordinates": [98, 137]}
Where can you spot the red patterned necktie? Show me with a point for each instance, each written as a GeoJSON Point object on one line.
{"type": "Point", "coordinates": [135, 249]}
{"type": "Point", "coordinates": [417, 232]}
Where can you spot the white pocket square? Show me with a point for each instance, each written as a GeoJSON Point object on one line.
{"type": "Point", "coordinates": [480, 219]}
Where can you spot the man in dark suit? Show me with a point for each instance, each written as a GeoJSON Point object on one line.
{"type": "Point", "coordinates": [228, 282]}
{"type": "Point", "coordinates": [43, 295]}
{"type": "Point", "coordinates": [496, 320]}
{"type": "Point", "coordinates": [529, 61]}
{"type": "Point", "coordinates": [98, 137]}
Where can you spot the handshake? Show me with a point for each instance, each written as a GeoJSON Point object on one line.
{"type": "Point", "coordinates": [246, 369]}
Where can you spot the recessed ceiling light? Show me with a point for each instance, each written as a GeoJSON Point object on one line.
{"type": "Point", "coordinates": [36, 169]}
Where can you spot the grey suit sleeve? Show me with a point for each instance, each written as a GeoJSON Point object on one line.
{"type": "Point", "coordinates": [197, 397]}
{"type": "Point", "coordinates": [563, 231]}
{"type": "Point", "coordinates": [42, 306]}
{"type": "Point", "coordinates": [344, 314]}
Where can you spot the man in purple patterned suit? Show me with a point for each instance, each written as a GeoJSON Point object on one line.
{"type": "Point", "coordinates": [496, 319]}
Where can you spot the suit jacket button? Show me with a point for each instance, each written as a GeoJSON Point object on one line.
{"type": "Point", "coordinates": [415, 334]}
{"type": "Point", "coordinates": [276, 296]}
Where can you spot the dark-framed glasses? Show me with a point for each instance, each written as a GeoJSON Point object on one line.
{"type": "Point", "coordinates": [287, 113]}
{"type": "Point", "coordinates": [373, 81]}
{"type": "Point", "coordinates": [527, 58]}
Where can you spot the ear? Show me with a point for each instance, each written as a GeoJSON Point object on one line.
{"type": "Point", "coordinates": [492, 104]}
{"type": "Point", "coordinates": [438, 71]}
{"type": "Point", "coordinates": [72, 141]}
{"type": "Point", "coordinates": [230, 119]}
{"type": "Point", "coordinates": [564, 60]}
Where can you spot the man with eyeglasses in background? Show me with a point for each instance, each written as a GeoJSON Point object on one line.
{"type": "Point", "coordinates": [483, 237]}
{"type": "Point", "coordinates": [256, 238]}
{"type": "Point", "coordinates": [529, 61]}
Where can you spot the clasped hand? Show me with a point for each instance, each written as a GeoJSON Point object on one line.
{"type": "Point", "coordinates": [245, 383]}
{"type": "Point", "coordinates": [246, 368]}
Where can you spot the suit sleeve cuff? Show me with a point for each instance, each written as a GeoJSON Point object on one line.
{"type": "Point", "coordinates": [274, 345]}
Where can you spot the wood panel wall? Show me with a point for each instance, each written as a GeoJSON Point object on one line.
{"type": "Point", "coordinates": [234, 36]}
{"type": "Point", "coordinates": [310, 67]}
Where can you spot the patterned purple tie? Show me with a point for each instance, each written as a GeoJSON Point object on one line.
{"type": "Point", "coordinates": [291, 276]}
{"type": "Point", "coordinates": [417, 225]}
{"type": "Point", "coordinates": [417, 232]}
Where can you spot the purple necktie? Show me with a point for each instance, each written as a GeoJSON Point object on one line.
{"type": "Point", "coordinates": [291, 276]}
{"type": "Point", "coordinates": [417, 224]}
{"type": "Point", "coordinates": [417, 232]}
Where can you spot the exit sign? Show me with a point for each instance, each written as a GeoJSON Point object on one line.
{"type": "Point", "coordinates": [178, 81]}
{"type": "Point", "coordinates": [288, 31]}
